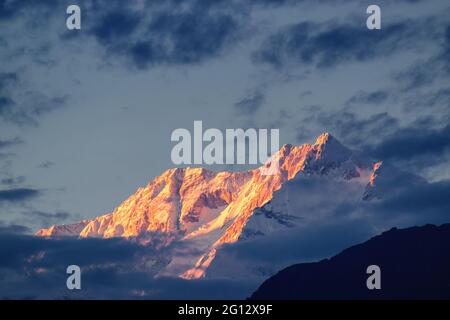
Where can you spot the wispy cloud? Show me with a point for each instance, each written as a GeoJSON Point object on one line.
{"type": "Point", "coordinates": [9, 229]}
{"type": "Point", "coordinates": [353, 129]}
{"type": "Point", "coordinates": [374, 97]}
{"type": "Point", "coordinates": [13, 180]}
{"type": "Point", "coordinates": [326, 45]}
{"type": "Point", "coordinates": [46, 219]}
{"type": "Point", "coordinates": [24, 106]}
{"type": "Point", "coordinates": [18, 195]}
{"type": "Point", "coordinates": [10, 142]}
{"type": "Point", "coordinates": [46, 164]}
{"type": "Point", "coordinates": [250, 104]}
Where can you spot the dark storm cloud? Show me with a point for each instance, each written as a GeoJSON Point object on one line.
{"type": "Point", "coordinates": [110, 268]}
{"type": "Point", "coordinates": [59, 252]}
{"type": "Point", "coordinates": [414, 147]}
{"type": "Point", "coordinates": [327, 45]}
{"type": "Point", "coordinates": [175, 32]}
{"type": "Point", "coordinates": [171, 33]}
{"type": "Point", "coordinates": [251, 104]}
{"type": "Point", "coordinates": [411, 142]}
{"type": "Point", "coordinates": [116, 25]}
{"type": "Point", "coordinates": [309, 240]}
{"type": "Point", "coordinates": [192, 38]}
{"type": "Point", "coordinates": [18, 195]}
{"type": "Point", "coordinates": [420, 203]}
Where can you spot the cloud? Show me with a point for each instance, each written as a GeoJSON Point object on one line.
{"type": "Point", "coordinates": [21, 249]}
{"type": "Point", "coordinates": [374, 97]}
{"type": "Point", "coordinates": [419, 74]}
{"type": "Point", "coordinates": [192, 38]}
{"type": "Point", "coordinates": [446, 53]}
{"type": "Point", "coordinates": [418, 148]}
{"type": "Point", "coordinates": [13, 181]}
{"type": "Point", "coordinates": [356, 131]}
{"type": "Point", "coordinates": [265, 255]}
{"type": "Point", "coordinates": [322, 226]}
{"type": "Point", "coordinates": [120, 269]}
{"type": "Point", "coordinates": [5, 104]}
{"type": "Point", "coordinates": [45, 219]}
{"type": "Point", "coordinates": [415, 146]}
{"type": "Point", "coordinates": [7, 79]}
{"type": "Point", "coordinates": [425, 72]}
{"type": "Point", "coordinates": [10, 142]}
{"type": "Point", "coordinates": [116, 25]}
{"type": "Point", "coordinates": [425, 143]}
{"type": "Point", "coordinates": [436, 101]}
{"type": "Point", "coordinates": [150, 33]}
{"type": "Point", "coordinates": [13, 229]}
{"type": "Point", "coordinates": [46, 164]}
{"type": "Point", "coordinates": [171, 33]}
{"type": "Point", "coordinates": [6, 178]}
{"type": "Point", "coordinates": [110, 269]}
{"type": "Point", "coordinates": [34, 105]}
{"type": "Point", "coordinates": [327, 45]}
{"type": "Point", "coordinates": [12, 8]}
{"type": "Point", "coordinates": [422, 203]}
{"type": "Point", "coordinates": [23, 106]}
{"type": "Point", "coordinates": [250, 105]}
{"type": "Point", "coordinates": [18, 195]}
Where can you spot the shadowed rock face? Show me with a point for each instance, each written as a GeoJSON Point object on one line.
{"type": "Point", "coordinates": [414, 262]}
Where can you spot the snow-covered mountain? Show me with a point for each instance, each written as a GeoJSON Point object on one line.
{"type": "Point", "coordinates": [201, 211]}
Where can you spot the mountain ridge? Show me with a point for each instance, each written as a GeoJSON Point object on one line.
{"type": "Point", "coordinates": [213, 208]}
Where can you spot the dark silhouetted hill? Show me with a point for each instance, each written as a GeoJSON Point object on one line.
{"type": "Point", "coordinates": [414, 262]}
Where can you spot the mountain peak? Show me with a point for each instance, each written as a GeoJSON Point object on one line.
{"type": "Point", "coordinates": [324, 138]}
{"type": "Point", "coordinates": [330, 150]}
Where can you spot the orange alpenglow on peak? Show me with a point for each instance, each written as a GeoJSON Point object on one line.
{"type": "Point", "coordinates": [323, 138]}
{"type": "Point", "coordinates": [214, 207]}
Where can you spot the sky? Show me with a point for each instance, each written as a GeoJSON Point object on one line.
{"type": "Point", "coordinates": [86, 115]}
